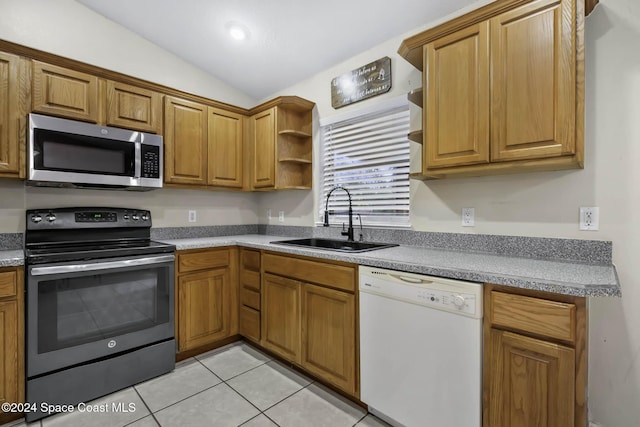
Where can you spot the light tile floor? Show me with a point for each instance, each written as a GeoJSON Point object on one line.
{"type": "Point", "coordinates": [232, 386]}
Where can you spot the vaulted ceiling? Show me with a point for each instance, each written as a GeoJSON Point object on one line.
{"type": "Point", "coordinates": [287, 42]}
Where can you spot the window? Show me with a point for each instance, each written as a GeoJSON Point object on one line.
{"type": "Point", "coordinates": [369, 156]}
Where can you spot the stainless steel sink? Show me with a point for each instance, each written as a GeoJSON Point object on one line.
{"type": "Point", "coordinates": [335, 245]}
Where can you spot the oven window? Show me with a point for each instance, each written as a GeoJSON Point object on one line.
{"type": "Point", "coordinates": [79, 310]}
{"type": "Point", "coordinates": [59, 151]}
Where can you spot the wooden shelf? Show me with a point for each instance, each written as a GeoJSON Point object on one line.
{"type": "Point", "coordinates": [295, 160]}
{"type": "Point", "coordinates": [416, 136]}
{"type": "Point", "coordinates": [294, 187]}
{"type": "Point", "coordinates": [415, 97]}
{"type": "Point", "coordinates": [295, 133]}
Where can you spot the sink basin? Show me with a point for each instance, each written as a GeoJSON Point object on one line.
{"type": "Point", "coordinates": [336, 245]}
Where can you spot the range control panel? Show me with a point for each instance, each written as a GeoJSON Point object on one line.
{"type": "Point", "coordinates": [451, 295]}
{"type": "Point", "coordinates": [67, 218]}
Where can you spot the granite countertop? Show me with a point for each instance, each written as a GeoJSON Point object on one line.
{"type": "Point", "coordinates": [563, 277]}
{"type": "Point", "coordinates": [570, 278]}
{"type": "Point", "coordinates": [11, 258]}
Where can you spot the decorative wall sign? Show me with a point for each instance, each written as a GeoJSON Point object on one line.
{"type": "Point", "coordinates": [369, 80]}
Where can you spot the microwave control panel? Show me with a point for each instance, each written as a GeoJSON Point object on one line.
{"type": "Point", "coordinates": [150, 161]}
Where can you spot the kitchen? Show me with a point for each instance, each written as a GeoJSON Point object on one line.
{"type": "Point", "coordinates": [537, 204]}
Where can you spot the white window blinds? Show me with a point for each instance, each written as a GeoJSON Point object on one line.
{"type": "Point", "coordinates": [369, 156]}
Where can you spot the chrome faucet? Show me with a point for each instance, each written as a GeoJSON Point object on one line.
{"type": "Point", "coordinates": [349, 232]}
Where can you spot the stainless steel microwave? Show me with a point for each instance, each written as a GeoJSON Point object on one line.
{"type": "Point", "coordinates": [68, 153]}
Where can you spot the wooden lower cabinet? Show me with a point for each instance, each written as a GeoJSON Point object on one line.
{"type": "Point", "coordinates": [281, 316]}
{"type": "Point", "coordinates": [532, 378]}
{"type": "Point", "coordinates": [534, 383]}
{"type": "Point", "coordinates": [312, 325]}
{"type": "Point", "coordinates": [206, 297]}
{"type": "Point", "coordinates": [250, 295]}
{"type": "Point", "coordinates": [328, 335]}
{"type": "Point", "coordinates": [11, 339]}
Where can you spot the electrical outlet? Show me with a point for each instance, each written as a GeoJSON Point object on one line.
{"type": "Point", "coordinates": [268, 213]}
{"type": "Point", "coordinates": [281, 216]}
{"type": "Point", "coordinates": [192, 216]}
{"type": "Point", "coordinates": [590, 218]}
{"type": "Point", "coordinates": [468, 217]}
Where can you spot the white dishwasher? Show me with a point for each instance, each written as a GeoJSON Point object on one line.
{"type": "Point", "coordinates": [420, 349]}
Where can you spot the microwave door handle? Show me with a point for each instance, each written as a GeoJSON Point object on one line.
{"type": "Point", "coordinates": [137, 162]}
{"type": "Point", "coordinates": [109, 265]}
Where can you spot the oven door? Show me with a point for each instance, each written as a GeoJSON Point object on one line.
{"type": "Point", "coordinates": [82, 311]}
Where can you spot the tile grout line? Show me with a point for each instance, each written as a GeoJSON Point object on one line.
{"type": "Point", "coordinates": [146, 406]}
{"type": "Point", "coordinates": [243, 397]}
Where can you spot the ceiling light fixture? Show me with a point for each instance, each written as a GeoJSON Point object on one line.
{"type": "Point", "coordinates": [238, 31]}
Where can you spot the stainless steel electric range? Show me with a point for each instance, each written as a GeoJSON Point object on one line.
{"type": "Point", "coordinates": [99, 304]}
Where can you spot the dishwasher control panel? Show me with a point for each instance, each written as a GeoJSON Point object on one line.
{"type": "Point", "coordinates": [455, 296]}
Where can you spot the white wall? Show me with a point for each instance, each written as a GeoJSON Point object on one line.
{"type": "Point", "coordinates": [69, 29]}
{"type": "Point", "coordinates": [546, 204]}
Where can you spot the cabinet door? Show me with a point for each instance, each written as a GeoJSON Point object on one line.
{"type": "Point", "coordinates": [328, 335]}
{"type": "Point", "coordinates": [9, 352]}
{"type": "Point", "coordinates": [204, 301]}
{"type": "Point", "coordinates": [264, 146]}
{"type": "Point", "coordinates": [132, 107]}
{"type": "Point", "coordinates": [185, 142]}
{"type": "Point", "coordinates": [456, 110]}
{"type": "Point", "coordinates": [534, 81]}
{"type": "Point", "coordinates": [532, 382]}
{"type": "Point", "coordinates": [11, 130]}
{"type": "Point", "coordinates": [281, 316]}
{"type": "Point", "coordinates": [62, 92]}
{"type": "Point", "coordinates": [225, 148]}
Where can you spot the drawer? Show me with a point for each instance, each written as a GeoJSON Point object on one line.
{"type": "Point", "coordinates": [250, 298]}
{"type": "Point", "coordinates": [332, 275]}
{"type": "Point", "coordinates": [535, 315]}
{"type": "Point", "coordinates": [8, 284]}
{"type": "Point", "coordinates": [250, 260]}
{"type": "Point", "coordinates": [250, 279]}
{"type": "Point", "coordinates": [250, 323]}
{"type": "Point", "coordinates": [194, 261]}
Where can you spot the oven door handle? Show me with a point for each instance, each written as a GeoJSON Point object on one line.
{"type": "Point", "coordinates": [109, 265]}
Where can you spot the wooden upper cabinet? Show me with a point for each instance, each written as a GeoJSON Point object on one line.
{"type": "Point", "coordinates": [532, 382]}
{"type": "Point", "coordinates": [185, 141]}
{"type": "Point", "coordinates": [264, 146]}
{"type": "Point", "coordinates": [457, 98]}
{"type": "Point", "coordinates": [75, 95]}
{"type": "Point", "coordinates": [12, 122]}
{"type": "Point", "coordinates": [503, 89]}
{"type": "Point", "coordinates": [62, 92]}
{"type": "Point", "coordinates": [534, 81]}
{"type": "Point", "coordinates": [132, 107]}
{"type": "Point", "coordinates": [225, 148]}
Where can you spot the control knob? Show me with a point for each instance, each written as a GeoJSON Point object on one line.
{"type": "Point", "coordinates": [135, 217]}
{"type": "Point", "coordinates": [458, 301]}
{"type": "Point", "coordinates": [36, 218]}
{"type": "Point", "coordinates": [145, 217]}
{"type": "Point", "coordinates": [51, 217]}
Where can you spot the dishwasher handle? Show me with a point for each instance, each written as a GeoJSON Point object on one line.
{"type": "Point", "coordinates": [412, 280]}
